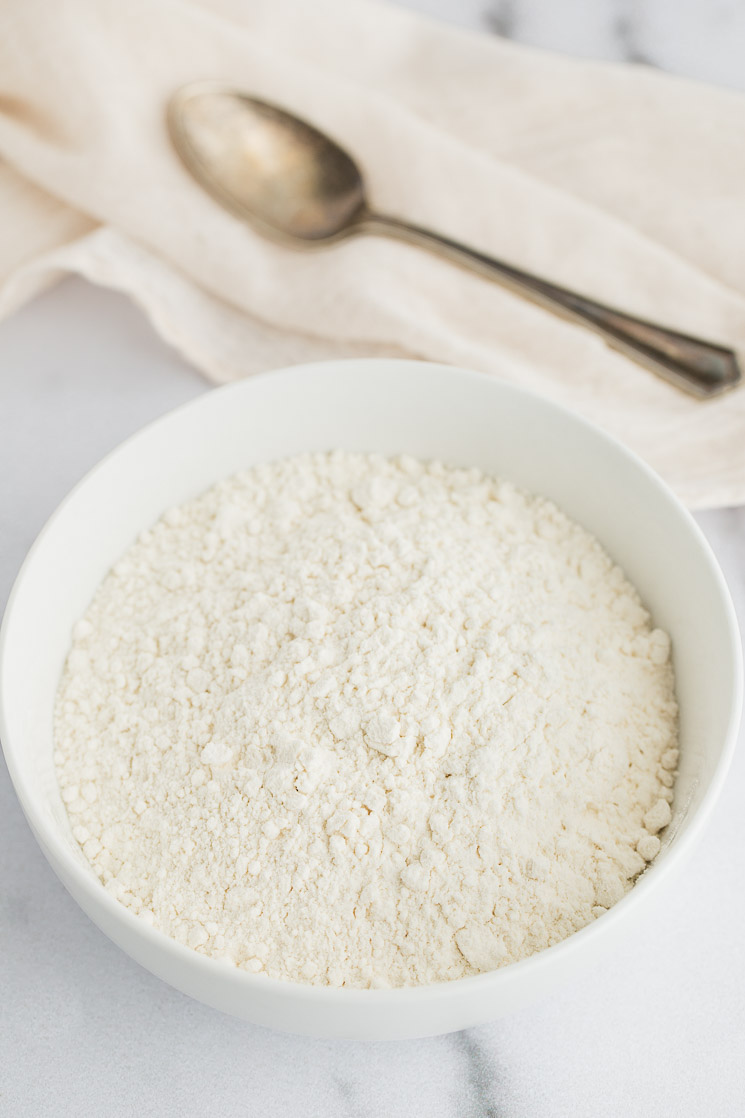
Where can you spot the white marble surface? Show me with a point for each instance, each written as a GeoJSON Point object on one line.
{"type": "Point", "coordinates": [658, 1029]}
{"type": "Point", "coordinates": [701, 39]}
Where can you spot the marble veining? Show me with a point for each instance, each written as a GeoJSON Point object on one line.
{"type": "Point", "coordinates": [701, 39]}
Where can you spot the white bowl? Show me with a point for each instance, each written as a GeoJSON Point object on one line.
{"type": "Point", "coordinates": [387, 406]}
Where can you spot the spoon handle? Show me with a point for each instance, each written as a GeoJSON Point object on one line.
{"type": "Point", "coordinates": [701, 368]}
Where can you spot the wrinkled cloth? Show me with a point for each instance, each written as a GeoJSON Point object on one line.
{"type": "Point", "coordinates": [619, 182]}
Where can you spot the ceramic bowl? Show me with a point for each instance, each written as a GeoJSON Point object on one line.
{"type": "Point", "coordinates": [391, 407]}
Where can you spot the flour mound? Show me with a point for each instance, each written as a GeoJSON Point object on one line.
{"type": "Point", "coordinates": [365, 722]}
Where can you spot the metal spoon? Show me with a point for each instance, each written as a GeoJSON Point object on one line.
{"type": "Point", "coordinates": [295, 185]}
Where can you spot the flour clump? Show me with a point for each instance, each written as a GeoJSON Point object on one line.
{"type": "Point", "coordinates": [360, 721]}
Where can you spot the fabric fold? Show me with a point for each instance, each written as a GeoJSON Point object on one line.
{"type": "Point", "coordinates": [617, 181]}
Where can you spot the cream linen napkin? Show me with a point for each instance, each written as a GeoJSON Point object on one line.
{"type": "Point", "coordinates": [620, 182]}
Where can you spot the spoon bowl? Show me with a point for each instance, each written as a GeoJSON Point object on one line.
{"type": "Point", "coordinates": [271, 168]}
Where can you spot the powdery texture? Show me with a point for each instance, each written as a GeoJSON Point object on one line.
{"type": "Point", "coordinates": [354, 721]}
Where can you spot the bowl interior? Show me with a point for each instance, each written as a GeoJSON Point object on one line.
{"type": "Point", "coordinates": [386, 406]}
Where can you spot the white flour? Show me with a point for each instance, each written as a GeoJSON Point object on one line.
{"type": "Point", "coordinates": [359, 722]}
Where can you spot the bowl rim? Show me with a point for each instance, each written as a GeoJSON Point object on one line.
{"type": "Point", "coordinates": [488, 982]}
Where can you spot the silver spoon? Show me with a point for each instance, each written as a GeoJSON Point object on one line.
{"type": "Point", "coordinates": [295, 185]}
